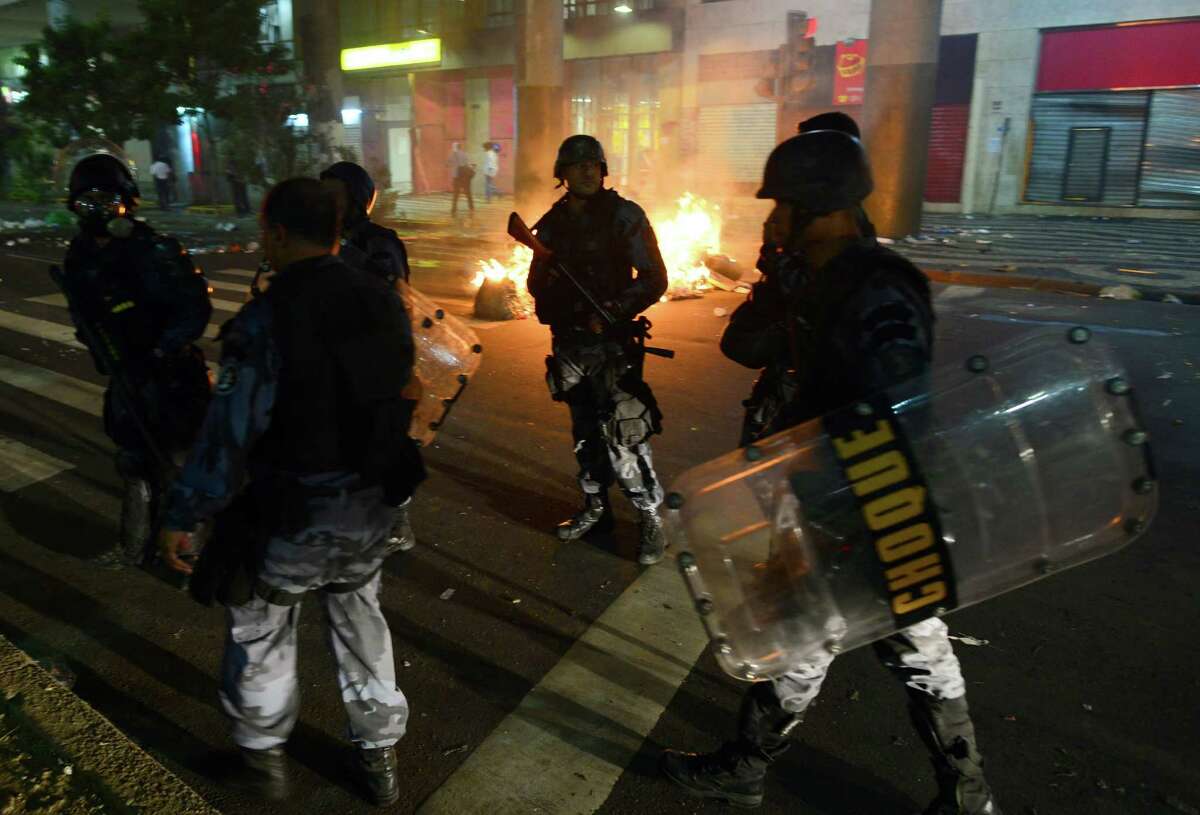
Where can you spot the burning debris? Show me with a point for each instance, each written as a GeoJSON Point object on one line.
{"type": "Point", "coordinates": [689, 238]}
{"type": "Point", "coordinates": [501, 290]}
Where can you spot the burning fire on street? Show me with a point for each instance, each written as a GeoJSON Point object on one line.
{"type": "Point", "coordinates": [689, 238]}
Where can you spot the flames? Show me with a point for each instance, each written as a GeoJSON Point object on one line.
{"type": "Point", "coordinates": [688, 235]}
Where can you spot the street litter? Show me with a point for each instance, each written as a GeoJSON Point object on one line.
{"type": "Point", "coordinates": [719, 312]}
{"type": "Point", "coordinates": [1120, 292]}
{"type": "Point", "coordinates": [885, 241]}
{"type": "Point", "coordinates": [1170, 298]}
{"type": "Point", "coordinates": [969, 640]}
{"type": "Point", "coordinates": [447, 594]}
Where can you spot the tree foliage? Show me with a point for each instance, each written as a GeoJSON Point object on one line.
{"type": "Point", "coordinates": [85, 79]}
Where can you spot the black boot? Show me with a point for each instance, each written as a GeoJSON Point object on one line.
{"type": "Point", "coordinates": [137, 527]}
{"type": "Point", "coordinates": [262, 773]}
{"type": "Point", "coordinates": [737, 772]}
{"type": "Point", "coordinates": [596, 514]}
{"type": "Point", "coordinates": [945, 727]}
{"type": "Point", "coordinates": [375, 773]}
{"type": "Point", "coordinates": [401, 538]}
{"type": "Point", "coordinates": [652, 540]}
{"type": "Point", "coordinates": [730, 774]}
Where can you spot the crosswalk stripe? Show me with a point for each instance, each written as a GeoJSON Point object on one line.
{"type": "Point", "coordinates": [22, 465]}
{"type": "Point", "coordinates": [66, 390]}
{"type": "Point", "coordinates": [577, 731]}
{"type": "Point", "coordinates": [246, 273]}
{"type": "Point", "coordinates": [61, 300]}
{"type": "Point", "coordinates": [210, 331]}
{"type": "Point", "coordinates": [226, 286]}
{"type": "Point", "coordinates": [42, 329]}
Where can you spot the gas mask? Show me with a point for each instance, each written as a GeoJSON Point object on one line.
{"type": "Point", "coordinates": [102, 213]}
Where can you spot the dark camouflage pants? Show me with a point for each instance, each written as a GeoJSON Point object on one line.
{"type": "Point", "coordinates": [611, 426]}
{"type": "Point", "coordinates": [343, 546]}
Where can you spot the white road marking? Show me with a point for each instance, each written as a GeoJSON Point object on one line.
{"type": "Point", "coordinates": [21, 465]}
{"type": "Point", "coordinates": [66, 390]}
{"type": "Point", "coordinates": [221, 284]}
{"type": "Point", "coordinates": [246, 273]}
{"type": "Point", "coordinates": [61, 300]}
{"type": "Point", "coordinates": [564, 747]}
{"type": "Point", "coordinates": [42, 329]}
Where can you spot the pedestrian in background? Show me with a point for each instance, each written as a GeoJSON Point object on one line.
{"type": "Point", "coordinates": [491, 169]}
{"type": "Point", "coordinates": [461, 173]}
{"type": "Point", "coordinates": [163, 179]}
{"type": "Point", "coordinates": [309, 414]}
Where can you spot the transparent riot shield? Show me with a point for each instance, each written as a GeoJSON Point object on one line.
{"type": "Point", "coordinates": [929, 497]}
{"type": "Point", "coordinates": [447, 354]}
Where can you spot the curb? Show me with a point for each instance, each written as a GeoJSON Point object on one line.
{"type": "Point", "coordinates": [1007, 281]}
{"type": "Point", "coordinates": [122, 770]}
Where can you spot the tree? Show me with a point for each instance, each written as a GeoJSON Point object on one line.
{"type": "Point", "coordinates": [85, 79]}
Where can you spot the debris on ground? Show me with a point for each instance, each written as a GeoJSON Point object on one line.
{"type": "Point", "coordinates": [447, 594]}
{"type": "Point", "coordinates": [969, 640]}
{"type": "Point", "coordinates": [460, 748]}
{"type": "Point", "coordinates": [1170, 298]}
{"type": "Point", "coordinates": [32, 780]}
{"type": "Point", "coordinates": [1121, 291]}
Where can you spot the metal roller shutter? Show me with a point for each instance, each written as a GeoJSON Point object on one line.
{"type": "Point", "coordinates": [734, 140]}
{"type": "Point", "coordinates": [947, 151]}
{"type": "Point", "coordinates": [1055, 116]}
{"type": "Point", "coordinates": [1171, 167]}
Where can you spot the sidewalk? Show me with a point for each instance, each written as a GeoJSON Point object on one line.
{"type": "Point", "coordinates": [84, 756]}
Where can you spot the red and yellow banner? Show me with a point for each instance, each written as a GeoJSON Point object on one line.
{"type": "Point", "coordinates": [850, 73]}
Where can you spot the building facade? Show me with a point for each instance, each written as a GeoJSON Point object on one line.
{"type": "Point", "coordinates": [1068, 107]}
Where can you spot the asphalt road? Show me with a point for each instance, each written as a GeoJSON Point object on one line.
{"type": "Point", "coordinates": [554, 674]}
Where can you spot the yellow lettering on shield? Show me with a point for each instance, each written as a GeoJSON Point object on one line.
{"type": "Point", "coordinates": [894, 508]}
{"type": "Point", "coordinates": [905, 543]}
{"type": "Point", "coordinates": [930, 593]}
{"type": "Point", "coordinates": [860, 442]}
{"type": "Point", "coordinates": [921, 570]}
{"type": "Point", "coordinates": [878, 472]}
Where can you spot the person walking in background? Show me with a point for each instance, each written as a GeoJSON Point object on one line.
{"type": "Point", "coordinates": [491, 169]}
{"type": "Point", "coordinates": [162, 173]}
{"type": "Point", "coordinates": [461, 173]}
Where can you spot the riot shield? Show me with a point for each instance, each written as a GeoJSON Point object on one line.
{"type": "Point", "coordinates": [935, 495]}
{"type": "Point", "coordinates": [447, 354]}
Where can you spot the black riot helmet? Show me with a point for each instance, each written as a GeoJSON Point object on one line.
{"type": "Point", "coordinates": [820, 171]}
{"type": "Point", "coordinates": [832, 120]}
{"type": "Point", "coordinates": [579, 148]}
{"type": "Point", "coordinates": [100, 191]}
{"type": "Point", "coordinates": [360, 189]}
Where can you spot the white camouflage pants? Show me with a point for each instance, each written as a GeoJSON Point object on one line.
{"type": "Point", "coordinates": [921, 656]}
{"type": "Point", "coordinates": [259, 690]}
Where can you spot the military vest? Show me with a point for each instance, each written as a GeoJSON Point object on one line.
{"type": "Point", "coordinates": [345, 356]}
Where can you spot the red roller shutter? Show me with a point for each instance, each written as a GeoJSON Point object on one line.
{"type": "Point", "coordinates": [947, 151]}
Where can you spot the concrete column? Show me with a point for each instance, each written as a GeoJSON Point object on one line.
{"type": "Point", "coordinates": [479, 108]}
{"type": "Point", "coordinates": [901, 74]}
{"type": "Point", "coordinates": [539, 83]}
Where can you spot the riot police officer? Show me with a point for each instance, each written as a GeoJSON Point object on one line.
{"type": "Point", "coordinates": [376, 249]}
{"type": "Point", "coordinates": [140, 291]}
{"type": "Point", "coordinates": [308, 411]}
{"type": "Point", "coordinates": [365, 243]}
{"type": "Point", "coordinates": [835, 318]}
{"type": "Point", "coordinates": [596, 368]}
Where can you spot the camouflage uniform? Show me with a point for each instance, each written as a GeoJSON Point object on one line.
{"type": "Point", "coordinates": [155, 304]}
{"type": "Point", "coordinates": [613, 412]}
{"type": "Point", "coordinates": [330, 536]}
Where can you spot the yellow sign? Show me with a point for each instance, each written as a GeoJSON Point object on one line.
{"type": "Point", "coordinates": [413, 52]}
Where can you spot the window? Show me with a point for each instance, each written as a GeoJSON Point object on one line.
{"type": "Point", "coordinates": [499, 14]}
{"type": "Point", "coordinates": [593, 8]}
